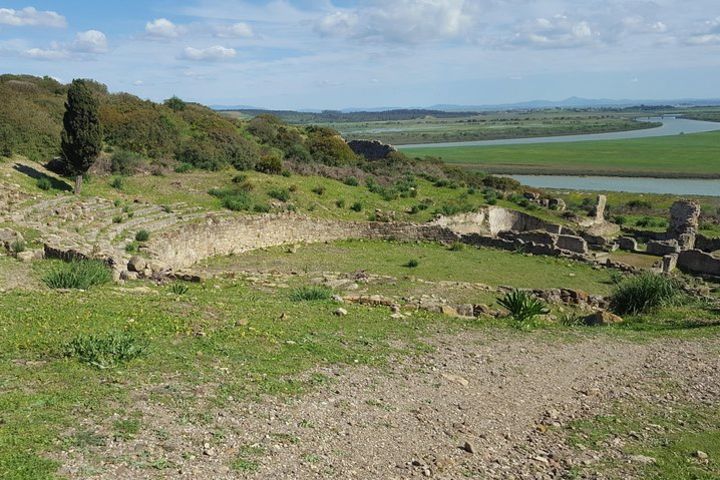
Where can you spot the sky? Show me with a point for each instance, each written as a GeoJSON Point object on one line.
{"type": "Point", "coordinates": [333, 54]}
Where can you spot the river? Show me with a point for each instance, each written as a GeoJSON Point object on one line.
{"type": "Point", "coordinates": [670, 126]}
{"type": "Point", "coordinates": [673, 186]}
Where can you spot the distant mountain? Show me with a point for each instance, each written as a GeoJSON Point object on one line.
{"type": "Point", "coordinates": [571, 102]}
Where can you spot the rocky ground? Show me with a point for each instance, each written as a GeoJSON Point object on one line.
{"type": "Point", "coordinates": [484, 404]}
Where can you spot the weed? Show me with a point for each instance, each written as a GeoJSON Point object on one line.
{"type": "Point", "coordinates": [311, 293]}
{"type": "Point", "coordinates": [352, 182]}
{"type": "Point", "coordinates": [18, 246]}
{"type": "Point", "coordinates": [412, 263]}
{"type": "Point", "coordinates": [457, 247]}
{"type": "Point", "coordinates": [117, 183]}
{"type": "Point", "coordinates": [44, 183]}
{"type": "Point", "coordinates": [356, 207]}
{"type": "Point", "coordinates": [319, 190]}
{"type": "Point", "coordinates": [179, 288]}
{"type": "Point", "coordinates": [117, 219]}
{"type": "Point", "coordinates": [105, 351]}
{"type": "Point", "coordinates": [523, 308]}
{"type": "Point", "coordinates": [79, 274]}
{"type": "Point", "coordinates": [142, 236]}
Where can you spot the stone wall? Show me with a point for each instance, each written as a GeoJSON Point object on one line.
{"type": "Point", "coordinates": [698, 262]}
{"type": "Point", "coordinates": [185, 246]}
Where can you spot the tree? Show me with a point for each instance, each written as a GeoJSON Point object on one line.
{"type": "Point", "coordinates": [82, 132]}
{"type": "Point", "coordinates": [175, 103]}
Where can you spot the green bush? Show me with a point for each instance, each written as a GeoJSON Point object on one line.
{"type": "Point", "coordinates": [233, 199]}
{"type": "Point", "coordinates": [44, 183]}
{"type": "Point", "coordinates": [270, 163]}
{"type": "Point", "coordinates": [352, 182]}
{"type": "Point", "coordinates": [641, 293]}
{"type": "Point", "coordinates": [78, 274]}
{"type": "Point", "coordinates": [523, 308]}
{"type": "Point", "coordinates": [319, 190]}
{"type": "Point", "coordinates": [282, 194]}
{"type": "Point", "coordinates": [356, 207]}
{"type": "Point", "coordinates": [142, 236]}
{"type": "Point", "coordinates": [412, 263]}
{"type": "Point", "coordinates": [340, 203]}
{"type": "Point", "coordinates": [183, 168]}
{"type": "Point", "coordinates": [124, 162]}
{"type": "Point", "coordinates": [311, 293]}
{"type": "Point", "coordinates": [117, 183]}
{"type": "Point", "coordinates": [105, 351]}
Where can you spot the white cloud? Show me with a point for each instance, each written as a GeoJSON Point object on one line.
{"type": "Point", "coordinates": [91, 41]}
{"type": "Point", "coordinates": [214, 53]}
{"type": "Point", "coordinates": [555, 32]}
{"type": "Point", "coordinates": [237, 30]}
{"type": "Point", "coordinates": [30, 17]}
{"type": "Point", "coordinates": [401, 21]}
{"type": "Point", "coordinates": [708, 35]}
{"type": "Point", "coordinates": [163, 28]}
{"type": "Point", "coordinates": [45, 53]}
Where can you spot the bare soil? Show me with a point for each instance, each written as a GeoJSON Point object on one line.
{"type": "Point", "coordinates": [498, 394]}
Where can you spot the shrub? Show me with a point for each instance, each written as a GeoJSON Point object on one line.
{"type": "Point", "coordinates": [124, 162]}
{"type": "Point", "coordinates": [319, 190]}
{"type": "Point", "coordinates": [412, 263]}
{"type": "Point", "coordinates": [523, 308]}
{"type": "Point", "coordinates": [356, 207]}
{"type": "Point", "coordinates": [261, 208]}
{"type": "Point", "coordinates": [501, 183]}
{"type": "Point", "coordinates": [457, 247]}
{"type": "Point", "coordinates": [179, 288]}
{"type": "Point", "coordinates": [105, 351]}
{"type": "Point", "coordinates": [233, 199]}
{"type": "Point", "coordinates": [117, 183]}
{"type": "Point", "coordinates": [44, 183]}
{"type": "Point", "coordinates": [643, 292]}
{"type": "Point", "coordinates": [142, 236]}
{"type": "Point", "coordinates": [340, 203]}
{"type": "Point", "coordinates": [183, 168]}
{"type": "Point", "coordinates": [270, 163]}
{"type": "Point", "coordinates": [311, 293]}
{"type": "Point", "coordinates": [639, 205]}
{"type": "Point", "coordinates": [117, 219]}
{"type": "Point", "coordinates": [352, 181]}
{"type": "Point", "coordinates": [282, 194]}
{"type": "Point", "coordinates": [240, 178]}
{"type": "Point", "coordinates": [79, 274]}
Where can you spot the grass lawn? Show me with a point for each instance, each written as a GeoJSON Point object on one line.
{"type": "Point", "coordinates": [694, 155]}
{"type": "Point", "coordinates": [435, 263]}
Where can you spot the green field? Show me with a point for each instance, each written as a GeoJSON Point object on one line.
{"type": "Point", "coordinates": [690, 156]}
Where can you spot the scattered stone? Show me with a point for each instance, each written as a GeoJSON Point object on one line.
{"type": "Point", "coordinates": [340, 312]}
{"type": "Point", "coordinates": [602, 318]}
{"type": "Point", "coordinates": [642, 459]}
{"type": "Point", "coordinates": [137, 264]}
{"type": "Point", "coordinates": [456, 379]}
{"type": "Point", "coordinates": [469, 448]}
{"type": "Point", "coordinates": [700, 455]}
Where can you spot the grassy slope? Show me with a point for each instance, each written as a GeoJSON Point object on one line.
{"type": "Point", "coordinates": [693, 155]}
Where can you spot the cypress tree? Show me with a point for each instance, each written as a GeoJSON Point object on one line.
{"type": "Point", "coordinates": [82, 133]}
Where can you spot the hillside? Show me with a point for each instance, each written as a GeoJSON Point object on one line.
{"type": "Point", "coordinates": [157, 134]}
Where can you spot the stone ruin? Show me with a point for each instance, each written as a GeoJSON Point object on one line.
{"type": "Point", "coordinates": [684, 223]}
{"type": "Point", "coordinates": [371, 149]}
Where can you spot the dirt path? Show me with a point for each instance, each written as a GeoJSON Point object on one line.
{"type": "Point", "coordinates": [490, 389]}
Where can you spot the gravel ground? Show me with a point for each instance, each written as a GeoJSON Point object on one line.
{"type": "Point", "coordinates": [478, 407]}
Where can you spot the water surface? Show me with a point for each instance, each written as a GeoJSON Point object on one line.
{"type": "Point", "coordinates": [673, 186]}
{"type": "Point", "coordinates": [670, 126]}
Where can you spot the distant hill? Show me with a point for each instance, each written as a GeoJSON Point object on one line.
{"type": "Point", "coordinates": [453, 111]}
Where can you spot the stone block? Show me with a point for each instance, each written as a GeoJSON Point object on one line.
{"type": "Point", "coordinates": [662, 247]}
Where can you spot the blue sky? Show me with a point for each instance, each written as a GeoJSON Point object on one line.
{"type": "Point", "coordinates": [355, 53]}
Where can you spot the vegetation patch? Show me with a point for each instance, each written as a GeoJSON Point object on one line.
{"type": "Point", "coordinates": [78, 274]}
{"type": "Point", "coordinates": [105, 351]}
{"type": "Point", "coordinates": [643, 292]}
{"type": "Point", "coordinates": [311, 294]}
{"type": "Point", "coordinates": [524, 308]}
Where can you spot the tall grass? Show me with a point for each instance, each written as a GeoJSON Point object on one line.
{"type": "Point", "coordinates": [79, 274]}
{"type": "Point", "coordinates": [311, 293]}
{"type": "Point", "coordinates": [643, 292]}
